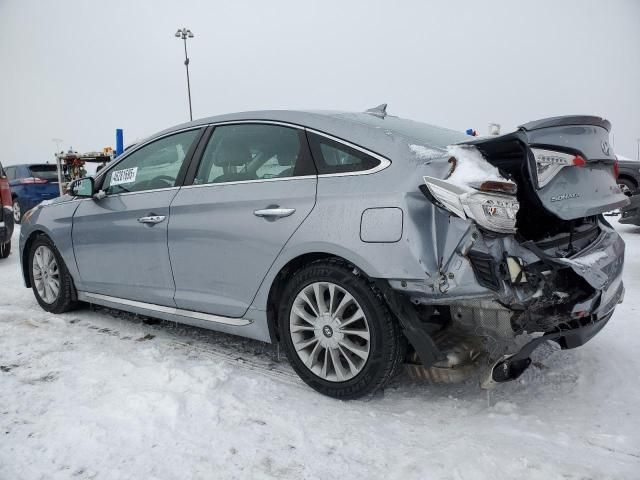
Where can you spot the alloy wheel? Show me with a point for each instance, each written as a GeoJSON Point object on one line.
{"type": "Point", "coordinates": [16, 212]}
{"type": "Point", "coordinates": [46, 274]}
{"type": "Point", "coordinates": [329, 331]}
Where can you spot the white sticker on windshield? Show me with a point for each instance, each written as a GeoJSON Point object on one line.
{"type": "Point", "coordinates": [127, 175]}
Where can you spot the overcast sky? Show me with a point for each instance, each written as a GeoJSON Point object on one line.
{"type": "Point", "coordinates": [77, 70]}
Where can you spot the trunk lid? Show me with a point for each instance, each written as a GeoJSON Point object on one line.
{"type": "Point", "coordinates": [562, 164]}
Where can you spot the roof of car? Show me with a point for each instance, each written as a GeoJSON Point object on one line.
{"type": "Point", "coordinates": [380, 133]}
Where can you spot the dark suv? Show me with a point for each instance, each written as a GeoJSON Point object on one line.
{"type": "Point", "coordinates": [629, 174]}
{"type": "Point", "coordinates": [31, 184]}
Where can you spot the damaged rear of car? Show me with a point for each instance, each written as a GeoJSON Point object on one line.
{"type": "Point", "coordinates": [527, 211]}
{"type": "Point", "coordinates": [348, 237]}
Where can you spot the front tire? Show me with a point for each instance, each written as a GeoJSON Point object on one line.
{"type": "Point", "coordinates": [51, 282]}
{"type": "Point", "coordinates": [337, 331]}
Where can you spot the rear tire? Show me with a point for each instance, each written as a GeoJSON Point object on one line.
{"type": "Point", "coordinates": [342, 362]}
{"type": "Point", "coordinates": [51, 282]}
{"type": "Point", "coordinates": [5, 249]}
{"type": "Point", "coordinates": [629, 184]}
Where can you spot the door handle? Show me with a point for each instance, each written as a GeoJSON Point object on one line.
{"type": "Point", "coordinates": [274, 212]}
{"type": "Point", "coordinates": [153, 219]}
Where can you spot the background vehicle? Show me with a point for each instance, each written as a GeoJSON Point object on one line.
{"type": "Point", "coordinates": [631, 213]}
{"type": "Point", "coordinates": [30, 184]}
{"type": "Point", "coordinates": [6, 215]}
{"type": "Point", "coordinates": [348, 237]}
{"type": "Point", "coordinates": [629, 174]}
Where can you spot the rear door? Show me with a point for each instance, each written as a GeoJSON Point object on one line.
{"type": "Point", "coordinates": [120, 241]}
{"type": "Point", "coordinates": [254, 186]}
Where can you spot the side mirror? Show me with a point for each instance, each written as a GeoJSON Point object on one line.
{"type": "Point", "coordinates": [82, 188]}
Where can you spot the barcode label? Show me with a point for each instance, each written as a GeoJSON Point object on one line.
{"type": "Point", "coordinates": [127, 175]}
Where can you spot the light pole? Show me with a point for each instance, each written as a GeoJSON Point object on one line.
{"type": "Point", "coordinates": [184, 34]}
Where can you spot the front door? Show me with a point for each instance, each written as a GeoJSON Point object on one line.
{"type": "Point", "coordinates": [120, 241]}
{"type": "Point", "coordinates": [255, 185]}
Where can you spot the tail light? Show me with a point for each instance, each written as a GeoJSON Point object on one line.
{"type": "Point", "coordinates": [616, 169]}
{"type": "Point", "coordinates": [32, 180]}
{"type": "Point", "coordinates": [549, 163]}
{"type": "Point", "coordinates": [475, 190]}
{"type": "Point", "coordinates": [494, 211]}
{"type": "Point", "coordinates": [5, 193]}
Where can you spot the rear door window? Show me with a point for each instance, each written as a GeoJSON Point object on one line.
{"type": "Point", "coordinates": [239, 153]}
{"type": "Point", "coordinates": [331, 156]}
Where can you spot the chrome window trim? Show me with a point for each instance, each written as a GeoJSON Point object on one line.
{"type": "Point", "coordinates": [112, 195]}
{"type": "Point", "coordinates": [240, 182]}
{"type": "Point", "coordinates": [237, 322]}
{"type": "Point", "coordinates": [384, 162]}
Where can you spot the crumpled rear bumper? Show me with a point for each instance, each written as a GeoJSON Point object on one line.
{"type": "Point", "coordinates": [564, 289]}
{"type": "Point", "coordinates": [601, 265]}
{"type": "Point", "coordinates": [552, 289]}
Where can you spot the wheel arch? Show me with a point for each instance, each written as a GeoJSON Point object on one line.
{"type": "Point", "coordinates": [400, 306]}
{"type": "Point", "coordinates": [25, 254]}
{"type": "Point", "coordinates": [626, 176]}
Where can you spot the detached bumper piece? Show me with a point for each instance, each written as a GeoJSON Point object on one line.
{"type": "Point", "coordinates": [510, 367]}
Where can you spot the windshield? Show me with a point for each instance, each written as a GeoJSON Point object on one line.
{"type": "Point", "coordinates": [46, 172]}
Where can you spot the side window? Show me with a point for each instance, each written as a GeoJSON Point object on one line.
{"type": "Point", "coordinates": [335, 157]}
{"type": "Point", "coordinates": [10, 172]}
{"type": "Point", "coordinates": [237, 153]}
{"type": "Point", "coordinates": [152, 167]}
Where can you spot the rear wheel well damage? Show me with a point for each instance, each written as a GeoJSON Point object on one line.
{"type": "Point", "coordinates": [414, 328]}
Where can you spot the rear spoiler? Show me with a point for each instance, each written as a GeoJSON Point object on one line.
{"type": "Point", "coordinates": [566, 120]}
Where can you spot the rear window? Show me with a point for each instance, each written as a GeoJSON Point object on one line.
{"type": "Point", "coordinates": [46, 172]}
{"type": "Point", "coordinates": [335, 157]}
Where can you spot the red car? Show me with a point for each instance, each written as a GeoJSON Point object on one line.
{"type": "Point", "coordinates": [6, 215]}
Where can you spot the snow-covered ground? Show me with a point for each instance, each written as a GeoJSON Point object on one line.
{"type": "Point", "coordinates": [106, 395]}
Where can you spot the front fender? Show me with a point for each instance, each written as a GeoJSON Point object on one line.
{"type": "Point", "coordinates": [54, 220]}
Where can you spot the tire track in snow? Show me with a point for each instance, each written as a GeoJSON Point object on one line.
{"type": "Point", "coordinates": [217, 351]}
{"type": "Point", "coordinates": [234, 358]}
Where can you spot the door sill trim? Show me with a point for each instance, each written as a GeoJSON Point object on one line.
{"type": "Point", "coordinates": [151, 307]}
